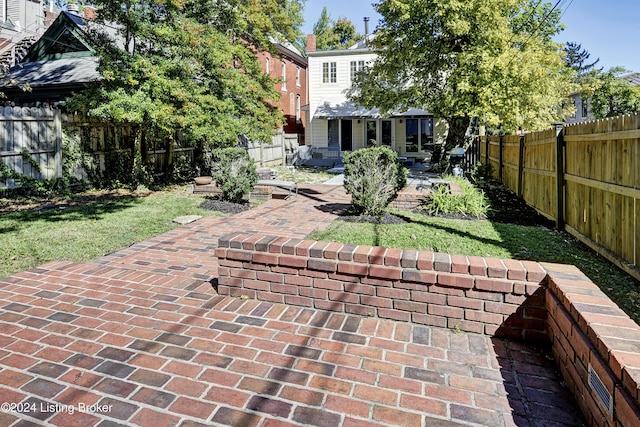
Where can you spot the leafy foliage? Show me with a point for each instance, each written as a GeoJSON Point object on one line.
{"type": "Point", "coordinates": [338, 34]}
{"type": "Point", "coordinates": [26, 184]}
{"type": "Point", "coordinates": [609, 94]}
{"type": "Point", "coordinates": [471, 202]}
{"type": "Point", "coordinates": [373, 177]}
{"type": "Point", "coordinates": [190, 65]}
{"type": "Point", "coordinates": [491, 59]}
{"type": "Point", "coordinates": [234, 172]}
{"type": "Point", "coordinates": [482, 172]}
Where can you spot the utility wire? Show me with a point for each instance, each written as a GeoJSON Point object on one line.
{"type": "Point", "coordinates": [540, 24]}
{"type": "Point", "coordinates": [566, 8]}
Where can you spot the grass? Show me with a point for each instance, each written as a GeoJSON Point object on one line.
{"type": "Point", "coordinates": [84, 231]}
{"type": "Point", "coordinates": [492, 239]}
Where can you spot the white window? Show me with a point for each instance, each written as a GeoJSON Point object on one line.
{"type": "Point", "coordinates": [356, 67]}
{"type": "Point", "coordinates": [329, 72]}
{"type": "Point", "coordinates": [284, 76]}
{"type": "Point", "coordinates": [267, 66]}
{"type": "Point", "coordinates": [298, 76]}
{"type": "Point", "coordinates": [298, 108]}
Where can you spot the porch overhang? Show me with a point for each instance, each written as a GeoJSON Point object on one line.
{"type": "Point", "coordinates": [344, 110]}
{"type": "Point", "coordinates": [349, 110]}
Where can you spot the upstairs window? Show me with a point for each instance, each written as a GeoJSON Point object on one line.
{"type": "Point", "coordinates": [298, 76]}
{"type": "Point", "coordinates": [356, 67]}
{"type": "Point", "coordinates": [329, 72]}
{"type": "Point", "coordinates": [284, 76]}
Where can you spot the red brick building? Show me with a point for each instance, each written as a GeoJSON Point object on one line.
{"type": "Point", "coordinates": [291, 69]}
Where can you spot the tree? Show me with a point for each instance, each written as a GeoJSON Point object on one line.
{"type": "Point", "coordinates": [491, 59]}
{"type": "Point", "coordinates": [332, 34]}
{"type": "Point", "coordinates": [611, 95]}
{"type": "Point", "coordinates": [345, 32]}
{"type": "Point", "coordinates": [578, 58]}
{"type": "Point", "coordinates": [189, 65]}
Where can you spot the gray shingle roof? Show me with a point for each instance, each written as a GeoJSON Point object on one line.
{"type": "Point", "coordinates": [61, 71]}
{"type": "Point", "coordinates": [633, 79]}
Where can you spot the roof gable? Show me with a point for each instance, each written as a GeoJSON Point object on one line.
{"type": "Point", "coordinates": [63, 39]}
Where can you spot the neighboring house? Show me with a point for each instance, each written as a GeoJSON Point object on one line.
{"type": "Point", "coordinates": [291, 68]}
{"type": "Point", "coordinates": [582, 105]}
{"type": "Point", "coordinates": [21, 24]}
{"type": "Point", "coordinates": [62, 62]}
{"type": "Point", "coordinates": [336, 124]}
{"type": "Point", "coordinates": [58, 64]}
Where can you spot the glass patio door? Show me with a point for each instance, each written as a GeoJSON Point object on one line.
{"type": "Point", "coordinates": [387, 129]}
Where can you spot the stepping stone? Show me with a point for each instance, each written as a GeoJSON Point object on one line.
{"type": "Point", "coordinates": [186, 219]}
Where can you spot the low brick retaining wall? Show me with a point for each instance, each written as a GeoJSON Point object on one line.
{"type": "Point", "coordinates": [408, 198]}
{"type": "Point", "coordinates": [596, 345]}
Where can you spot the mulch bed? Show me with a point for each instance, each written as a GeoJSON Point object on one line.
{"type": "Point", "coordinates": [506, 207]}
{"type": "Point", "coordinates": [214, 204]}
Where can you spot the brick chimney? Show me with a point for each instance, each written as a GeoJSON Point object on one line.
{"type": "Point", "coordinates": [89, 13]}
{"type": "Point", "coordinates": [49, 17]}
{"type": "Point", "coordinates": [311, 43]}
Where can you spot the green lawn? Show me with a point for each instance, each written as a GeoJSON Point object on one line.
{"type": "Point", "coordinates": [30, 238]}
{"type": "Point", "coordinates": [492, 239]}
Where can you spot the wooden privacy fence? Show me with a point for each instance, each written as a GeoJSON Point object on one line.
{"type": "Point", "coordinates": [279, 152]}
{"type": "Point", "coordinates": [113, 146]}
{"type": "Point", "coordinates": [584, 176]}
{"type": "Point", "coordinates": [30, 143]}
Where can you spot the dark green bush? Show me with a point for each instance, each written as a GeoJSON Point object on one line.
{"type": "Point", "coordinates": [373, 177]}
{"type": "Point", "coordinates": [234, 172]}
{"type": "Point", "coordinates": [482, 172]}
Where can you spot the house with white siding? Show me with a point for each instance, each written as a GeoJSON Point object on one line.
{"type": "Point", "coordinates": [583, 105]}
{"type": "Point", "coordinates": [337, 125]}
{"type": "Point", "coordinates": [21, 24]}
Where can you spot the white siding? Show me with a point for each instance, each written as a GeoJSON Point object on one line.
{"type": "Point", "coordinates": [320, 132]}
{"type": "Point", "coordinates": [319, 91]}
{"type": "Point", "coordinates": [335, 94]}
{"type": "Point", "coordinates": [358, 134]}
{"type": "Point", "coordinates": [401, 136]}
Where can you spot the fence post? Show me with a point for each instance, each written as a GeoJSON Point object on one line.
{"type": "Point", "coordinates": [57, 126]}
{"type": "Point", "coordinates": [560, 177]}
{"type": "Point", "coordinates": [500, 160]}
{"type": "Point", "coordinates": [486, 149]}
{"type": "Point", "coordinates": [520, 165]}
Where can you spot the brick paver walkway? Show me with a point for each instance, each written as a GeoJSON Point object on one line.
{"type": "Point", "coordinates": [140, 337]}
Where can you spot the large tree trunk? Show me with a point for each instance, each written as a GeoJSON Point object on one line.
{"type": "Point", "coordinates": [455, 136]}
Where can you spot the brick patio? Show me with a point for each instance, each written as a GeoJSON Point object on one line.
{"type": "Point", "coordinates": [140, 337]}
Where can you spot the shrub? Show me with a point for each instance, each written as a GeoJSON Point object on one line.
{"type": "Point", "coordinates": [471, 202]}
{"type": "Point", "coordinates": [482, 172]}
{"type": "Point", "coordinates": [234, 172]}
{"type": "Point", "coordinates": [373, 177]}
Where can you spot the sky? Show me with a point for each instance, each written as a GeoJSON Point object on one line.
{"type": "Point", "coordinates": [607, 29]}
